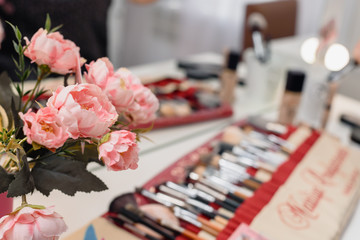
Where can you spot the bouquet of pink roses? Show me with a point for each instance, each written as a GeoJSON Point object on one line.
{"type": "Point", "coordinates": [48, 147]}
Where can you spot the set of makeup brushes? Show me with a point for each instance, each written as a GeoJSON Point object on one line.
{"type": "Point", "coordinates": [201, 205]}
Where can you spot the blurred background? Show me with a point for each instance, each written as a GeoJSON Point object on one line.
{"type": "Point", "coordinates": [164, 29]}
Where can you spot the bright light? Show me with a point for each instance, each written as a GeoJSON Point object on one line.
{"type": "Point", "coordinates": [336, 57]}
{"type": "Point", "coordinates": [308, 50]}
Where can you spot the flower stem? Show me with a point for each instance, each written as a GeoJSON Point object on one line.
{"type": "Point", "coordinates": [23, 202]}
{"type": "Point", "coordinates": [40, 77]}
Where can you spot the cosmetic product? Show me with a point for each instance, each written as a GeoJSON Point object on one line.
{"type": "Point", "coordinates": [139, 232]}
{"type": "Point", "coordinates": [229, 77]}
{"type": "Point", "coordinates": [248, 162]}
{"type": "Point", "coordinates": [355, 135]}
{"type": "Point", "coordinates": [179, 192]}
{"type": "Point", "coordinates": [207, 235]}
{"type": "Point", "coordinates": [267, 125]}
{"type": "Point", "coordinates": [153, 197]}
{"type": "Point", "coordinates": [191, 205]}
{"type": "Point", "coordinates": [314, 97]}
{"type": "Point", "coordinates": [246, 149]}
{"type": "Point", "coordinates": [185, 232]}
{"type": "Point", "coordinates": [291, 97]}
{"type": "Point", "coordinates": [136, 228]}
{"type": "Point", "coordinates": [218, 180]}
{"type": "Point", "coordinates": [239, 191]}
{"type": "Point", "coordinates": [232, 135]}
{"type": "Point", "coordinates": [240, 172]}
{"type": "Point", "coordinates": [196, 177]}
{"type": "Point", "coordinates": [175, 226]}
{"type": "Point", "coordinates": [350, 120]}
{"type": "Point", "coordinates": [217, 195]}
{"type": "Point", "coordinates": [195, 206]}
{"type": "Point", "coordinates": [215, 228]}
{"type": "Point", "coordinates": [202, 66]}
{"type": "Point", "coordinates": [152, 225]}
{"type": "Point", "coordinates": [257, 24]}
{"type": "Point", "coordinates": [204, 224]}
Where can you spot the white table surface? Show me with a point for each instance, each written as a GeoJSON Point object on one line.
{"type": "Point", "coordinates": [167, 146]}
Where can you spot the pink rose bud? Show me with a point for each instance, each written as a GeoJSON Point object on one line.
{"type": "Point", "coordinates": [44, 128]}
{"type": "Point", "coordinates": [119, 151]}
{"type": "Point", "coordinates": [51, 49]}
{"type": "Point", "coordinates": [84, 110]}
{"type": "Point", "coordinates": [30, 223]}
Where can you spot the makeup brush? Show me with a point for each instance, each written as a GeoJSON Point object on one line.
{"type": "Point", "coordinates": [243, 177]}
{"type": "Point", "coordinates": [217, 195]}
{"type": "Point", "coordinates": [167, 224]}
{"type": "Point", "coordinates": [151, 224]}
{"type": "Point", "coordinates": [173, 202]}
{"type": "Point", "coordinates": [197, 178]}
{"type": "Point", "coordinates": [118, 206]}
{"type": "Point", "coordinates": [198, 195]}
{"type": "Point", "coordinates": [204, 221]}
{"type": "Point", "coordinates": [138, 229]}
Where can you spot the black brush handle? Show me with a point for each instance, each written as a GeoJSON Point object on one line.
{"type": "Point", "coordinates": [235, 197]}
{"type": "Point", "coordinates": [231, 202]}
{"type": "Point", "coordinates": [138, 219]}
{"type": "Point", "coordinates": [226, 206]}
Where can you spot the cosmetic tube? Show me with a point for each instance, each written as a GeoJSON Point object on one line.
{"type": "Point", "coordinates": [229, 77]}
{"type": "Point", "coordinates": [291, 97]}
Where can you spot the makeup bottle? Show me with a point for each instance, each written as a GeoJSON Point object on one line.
{"type": "Point", "coordinates": [291, 97]}
{"type": "Point", "coordinates": [314, 97]}
{"type": "Point", "coordinates": [229, 77]}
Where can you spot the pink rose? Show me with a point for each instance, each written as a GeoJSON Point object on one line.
{"type": "Point", "coordinates": [84, 110]}
{"type": "Point", "coordinates": [120, 152]}
{"type": "Point", "coordinates": [61, 55]}
{"type": "Point", "coordinates": [115, 84]}
{"type": "Point", "coordinates": [145, 106]}
{"type": "Point", "coordinates": [29, 223]}
{"type": "Point", "coordinates": [44, 128]}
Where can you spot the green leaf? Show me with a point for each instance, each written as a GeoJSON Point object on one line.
{"type": "Point", "coordinates": [18, 34]}
{"type": "Point", "coordinates": [66, 175]}
{"type": "Point", "coordinates": [6, 93]}
{"type": "Point", "coordinates": [56, 28]}
{"type": "Point", "coordinates": [16, 47]}
{"type": "Point", "coordinates": [23, 182]}
{"type": "Point", "coordinates": [6, 179]}
{"type": "Point", "coordinates": [15, 115]}
{"type": "Point", "coordinates": [11, 25]}
{"type": "Point", "coordinates": [90, 152]}
{"type": "Point", "coordinates": [26, 74]}
{"type": "Point", "coordinates": [27, 92]}
{"type": "Point", "coordinates": [16, 63]}
{"type": "Point", "coordinates": [105, 138]}
{"type": "Point", "coordinates": [48, 23]}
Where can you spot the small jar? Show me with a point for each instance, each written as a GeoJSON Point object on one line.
{"type": "Point", "coordinates": [292, 96]}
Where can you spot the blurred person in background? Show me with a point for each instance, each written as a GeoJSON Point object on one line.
{"type": "Point", "coordinates": [83, 22]}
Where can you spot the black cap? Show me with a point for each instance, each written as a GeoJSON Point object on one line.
{"type": "Point", "coordinates": [295, 81]}
{"type": "Point", "coordinates": [232, 60]}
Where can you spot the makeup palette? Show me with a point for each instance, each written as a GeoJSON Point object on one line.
{"type": "Point", "coordinates": [183, 101]}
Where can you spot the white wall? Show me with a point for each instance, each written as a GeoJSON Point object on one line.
{"type": "Point", "coordinates": [176, 28]}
